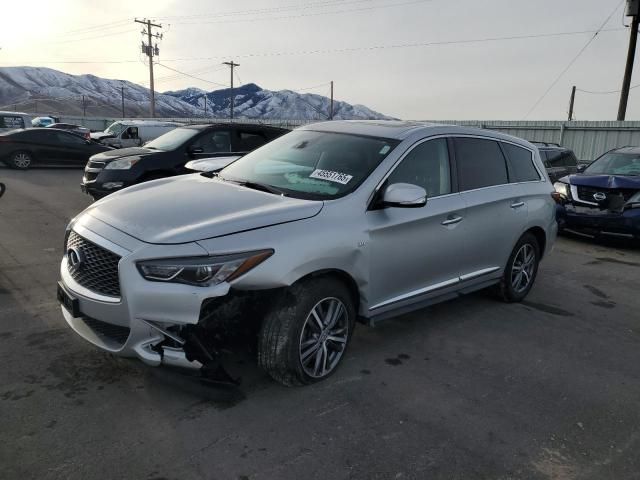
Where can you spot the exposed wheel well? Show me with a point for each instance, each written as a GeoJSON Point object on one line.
{"type": "Point", "coordinates": [541, 237]}
{"type": "Point", "coordinates": [342, 276]}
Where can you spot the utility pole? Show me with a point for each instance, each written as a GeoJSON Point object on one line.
{"type": "Point", "coordinates": [633, 10]}
{"type": "Point", "coordinates": [231, 64]}
{"type": "Point", "coordinates": [331, 104]}
{"type": "Point", "coordinates": [84, 107]}
{"type": "Point", "coordinates": [122, 96]}
{"type": "Point", "coordinates": [571, 102]}
{"type": "Point", "coordinates": [205, 105]}
{"type": "Point", "coordinates": [150, 51]}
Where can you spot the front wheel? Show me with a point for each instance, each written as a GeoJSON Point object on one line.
{"type": "Point", "coordinates": [21, 160]}
{"type": "Point", "coordinates": [521, 269]}
{"type": "Point", "coordinates": [304, 338]}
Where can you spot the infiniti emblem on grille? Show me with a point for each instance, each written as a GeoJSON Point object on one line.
{"type": "Point", "coordinates": [76, 258]}
{"type": "Point", "coordinates": [599, 196]}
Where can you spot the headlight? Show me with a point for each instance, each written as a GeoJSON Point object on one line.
{"type": "Point", "coordinates": [202, 271]}
{"type": "Point", "coordinates": [562, 189]}
{"type": "Point", "coordinates": [122, 164]}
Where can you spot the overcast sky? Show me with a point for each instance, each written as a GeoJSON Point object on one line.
{"type": "Point", "coordinates": [500, 79]}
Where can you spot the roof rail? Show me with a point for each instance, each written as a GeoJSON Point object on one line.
{"type": "Point", "coordinates": [545, 144]}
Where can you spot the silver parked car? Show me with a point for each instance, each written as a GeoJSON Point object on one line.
{"type": "Point", "coordinates": [332, 223]}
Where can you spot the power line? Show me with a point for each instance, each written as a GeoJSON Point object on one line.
{"type": "Point", "coordinates": [400, 45]}
{"type": "Point", "coordinates": [191, 76]}
{"type": "Point", "coordinates": [101, 26]}
{"type": "Point", "coordinates": [103, 35]}
{"type": "Point", "coordinates": [302, 15]}
{"type": "Point", "coordinates": [341, 50]}
{"type": "Point", "coordinates": [573, 60]}
{"type": "Point", "coordinates": [311, 88]}
{"type": "Point", "coordinates": [305, 6]}
{"type": "Point", "coordinates": [606, 92]}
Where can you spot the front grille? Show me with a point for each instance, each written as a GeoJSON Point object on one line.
{"type": "Point", "coordinates": [98, 269]}
{"type": "Point", "coordinates": [108, 331]}
{"type": "Point", "coordinates": [586, 193]}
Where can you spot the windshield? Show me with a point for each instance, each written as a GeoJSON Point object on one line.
{"type": "Point", "coordinates": [615, 164]}
{"type": "Point", "coordinates": [308, 164]}
{"type": "Point", "coordinates": [115, 128]}
{"type": "Point", "coordinates": [172, 139]}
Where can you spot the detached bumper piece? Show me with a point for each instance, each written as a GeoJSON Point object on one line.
{"type": "Point", "coordinates": [190, 346]}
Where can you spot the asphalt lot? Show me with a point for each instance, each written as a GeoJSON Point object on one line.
{"type": "Point", "coordinates": [469, 389]}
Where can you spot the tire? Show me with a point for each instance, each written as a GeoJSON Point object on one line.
{"type": "Point", "coordinates": [512, 286]}
{"type": "Point", "coordinates": [286, 348]}
{"type": "Point", "coordinates": [21, 160]}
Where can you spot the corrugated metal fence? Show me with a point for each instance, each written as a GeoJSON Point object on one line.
{"type": "Point", "coordinates": [587, 139]}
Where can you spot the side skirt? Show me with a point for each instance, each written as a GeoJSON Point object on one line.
{"type": "Point", "coordinates": [420, 304]}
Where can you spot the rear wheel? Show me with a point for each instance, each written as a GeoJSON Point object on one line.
{"type": "Point", "coordinates": [521, 270]}
{"type": "Point", "coordinates": [304, 338]}
{"type": "Point", "coordinates": [21, 160]}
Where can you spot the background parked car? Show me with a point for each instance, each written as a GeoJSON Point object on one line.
{"type": "Point", "coordinates": [70, 127]}
{"type": "Point", "coordinates": [133, 133]}
{"type": "Point", "coordinates": [167, 154]}
{"type": "Point", "coordinates": [46, 146]}
{"type": "Point", "coordinates": [13, 120]}
{"type": "Point", "coordinates": [42, 121]}
{"type": "Point", "coordinates": [558, 161]}
{"type": "Point", "coordinates": [604, 199]}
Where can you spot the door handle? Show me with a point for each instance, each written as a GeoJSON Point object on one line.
{"type": "Point", "coordinates": [451, 220]}
{"type": "Point", "coordinates": [517, 204]}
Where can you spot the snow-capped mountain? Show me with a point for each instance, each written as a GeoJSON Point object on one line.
{"type": "Point", "coordinates": [44, 90]}
{"type": "Point", "coordinates": [251, 101]}
{"type": "Point", "coordinates": [47, 90]}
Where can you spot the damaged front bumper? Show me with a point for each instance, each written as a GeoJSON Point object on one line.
{"type": "Point", "coordinates": [155, 322]}
{"type": "Point", "coordinates": [593, 222]}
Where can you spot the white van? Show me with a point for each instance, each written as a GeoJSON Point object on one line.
{"type": "Point", "coordinates": [13, 120]}
{"type": "Point", "coordinates": [132, 133]}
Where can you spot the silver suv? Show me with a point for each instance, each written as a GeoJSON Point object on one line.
{"type": "Point", "coordinates": [332, 223]}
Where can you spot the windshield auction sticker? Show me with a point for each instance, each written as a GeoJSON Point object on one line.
{"type": "Point", "coordinates": [337, 177]}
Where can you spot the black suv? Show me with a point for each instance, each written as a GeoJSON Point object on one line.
{"type": "Point", "coordinates": [166, 155]}
{"type": "Point", "coordinates": [559, 161]}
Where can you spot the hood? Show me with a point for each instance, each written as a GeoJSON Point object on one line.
{"type": "Point", "coordinates": [603, 181]}
{"type": "Point", "coordinates": [192, 207]}
{"type": "Point", "coordinates": [123, 152]}
{"type": "Point", "coordinates": [100, 135]}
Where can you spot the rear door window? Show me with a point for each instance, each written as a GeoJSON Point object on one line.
{"type": "Point", "coordinates": [217, 141]}
{"type": "Point", "coordinates": [521, 161]}
{"type": "Point", "coordinates": [480, 163]}
{"type": "Point", "coordinates": [246, 141]}
{"type": "Point", "coordinates": [70, 138]}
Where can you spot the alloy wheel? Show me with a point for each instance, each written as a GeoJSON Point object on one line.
{"type": "Point", "coordinates": [523, 268]}
{"type": "Point", "coordinates": [324, 337]}
{"type": "Point", "coordinates": [22, 160]}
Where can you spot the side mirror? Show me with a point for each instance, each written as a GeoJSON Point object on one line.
{"type": "Point", "coordinates": [581, 168]}
{"type": "Point", "coordinates": [404, 195]}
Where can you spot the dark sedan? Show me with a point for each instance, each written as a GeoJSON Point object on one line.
{"type": "Point", "coordinates": [46, 146]}
{"type": "Point", "coordinates": [167, 155]}
{"type": "Point", "coordinates": [604, 199]}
